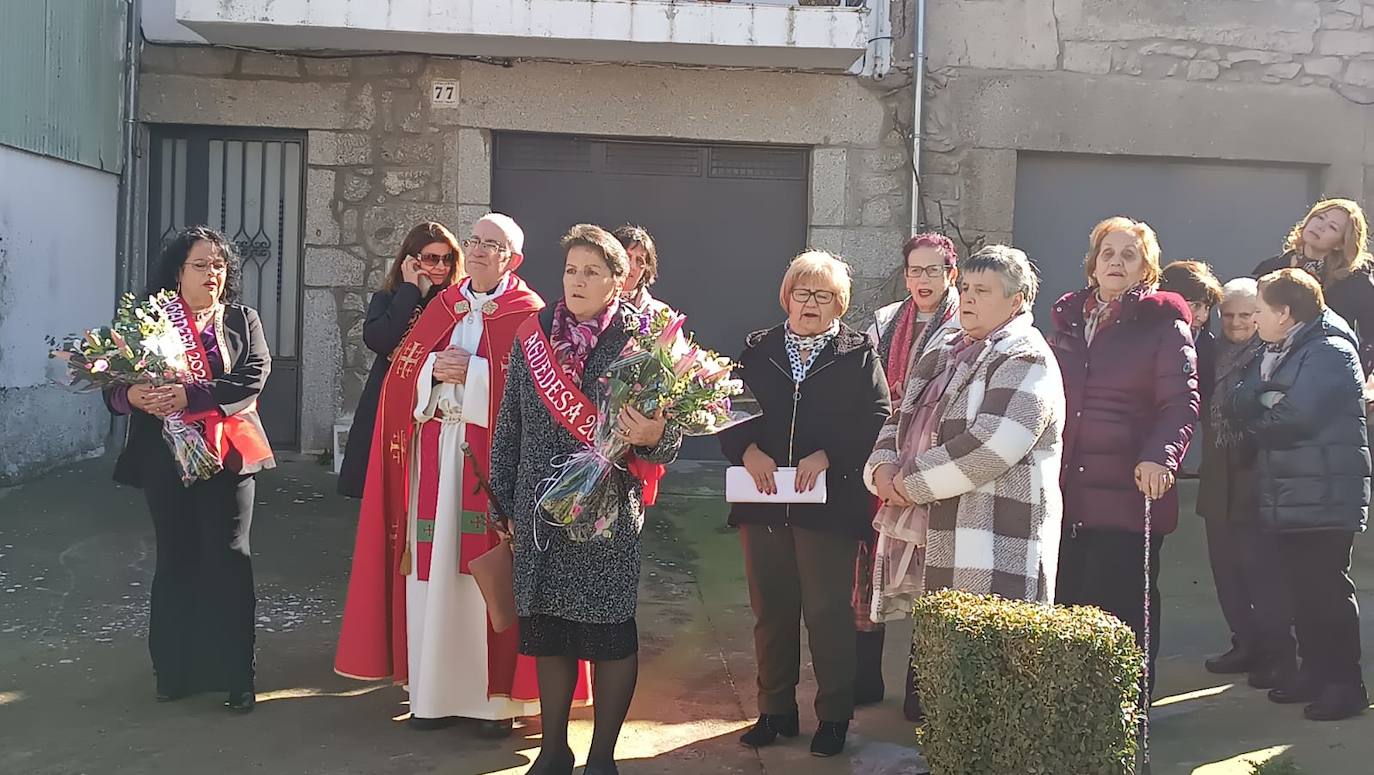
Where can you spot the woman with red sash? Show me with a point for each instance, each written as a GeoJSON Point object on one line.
{"type": "Point", "coordinates": [200, 633]}
{"type": "Point", "coordinates": [576, 595]}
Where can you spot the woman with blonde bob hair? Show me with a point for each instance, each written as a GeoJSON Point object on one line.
{"type": "Point", "coordinates": [1130, 382]}
{"type": "Point", "coordinates": [824, 397]}
{"type": "Point", "coordinates": [1332, 244]}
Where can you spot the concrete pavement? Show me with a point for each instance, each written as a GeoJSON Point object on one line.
{"type": "Point", "coordinates": [76, 687]}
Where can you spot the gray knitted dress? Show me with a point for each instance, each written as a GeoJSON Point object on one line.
{"type": "Point", "coordinates": [590, 582]}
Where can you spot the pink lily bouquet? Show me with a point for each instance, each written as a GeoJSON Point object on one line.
{"type": "Point", "coordinates": [660, 368]}
{"type": "Point", "coordinates": [140, 346]}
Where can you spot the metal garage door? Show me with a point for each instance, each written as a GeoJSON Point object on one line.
{"type": "Point", "coordinates": [1228, 214]}
{"type": "Point", "coordinates": [727, 219]}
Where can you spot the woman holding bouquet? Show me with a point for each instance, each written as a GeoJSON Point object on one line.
{"type": "Point", "coordinates": [824, 399]}
{"type": "Point", "coordinates": [576, 589]}
{"type": "Point", "coordinates": [201, 629]}
{"type": "Point", "coordinates": [429, 260]}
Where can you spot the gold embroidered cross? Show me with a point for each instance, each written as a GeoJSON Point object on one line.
{"type": "Point", "coordinates": [489, 308]}
{"type": "Point", "coordinates": [410, 358]}
{"type": "Point", "coordinates": [397, 447]}
{"type": "Point", "coordinates": [461, 307]}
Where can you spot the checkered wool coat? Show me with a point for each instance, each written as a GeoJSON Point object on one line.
{"type": "Point", "coordinates": [991, 477]}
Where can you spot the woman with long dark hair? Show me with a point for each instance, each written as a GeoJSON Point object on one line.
{"type": "Point", "coordinates": [201, 630]}
{"type": "Point", "coordinates": [428, 261]}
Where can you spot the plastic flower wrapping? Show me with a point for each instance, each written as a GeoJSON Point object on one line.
{"type": "Point", "coordinates": [660, 368]}
{"type": "Point", "coordinates": [140, 346]}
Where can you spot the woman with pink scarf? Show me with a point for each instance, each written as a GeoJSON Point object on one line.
{"type": "Point", "coordinates": [901, 331]}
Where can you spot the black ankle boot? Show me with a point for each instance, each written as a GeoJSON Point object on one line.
{"type": "Point", "coordinates": [868, 673]}
{"type": "Point", "coordinates": [1300, 688]}
{"type": "Point", "coordinates": [768, 727]}
{"type": "Point", "coordinates": [1237, 660]}
{"type": "Point", "coordinates": [241, 701]}
{"type": "Point", "coordinates": [829, 739]}
{"type": "Point", "coordinates": [1338, 702]}
{"type": "Point", "coordinates": [601, 768]}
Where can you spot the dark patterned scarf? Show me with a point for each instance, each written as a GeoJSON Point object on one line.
{"type": "Point", "coordinates": [573, 341]}
{"type": "Point", "coordinates": [1231, 362]}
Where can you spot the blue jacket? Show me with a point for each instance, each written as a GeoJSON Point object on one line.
{"type": "Point", "coordinates": [1312, 446]}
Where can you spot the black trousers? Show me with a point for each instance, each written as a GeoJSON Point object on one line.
{"type": "Point", "coordinates": [795, 573]}
{"type": "Point", "coordinates": [1106, 568]}
{"type": "Point", "coordinates": [1326, 616]}
{"type": "Point", "coordinates": [1256, 601]}
{"type": "Point", "coordinates": [200, 634]}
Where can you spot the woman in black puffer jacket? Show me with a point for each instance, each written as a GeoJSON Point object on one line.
{"type": "Point", "coordinates": [1302, 404]}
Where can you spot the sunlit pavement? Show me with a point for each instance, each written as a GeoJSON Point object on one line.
{"type": "Point", "coordinates": [76, 688]}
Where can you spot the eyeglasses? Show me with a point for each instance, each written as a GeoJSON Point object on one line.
{"type": "Point", "coordinates": [802, 296]}
{"type": "Point", "coordinates": [206, 267]}
{"type": "Point", "coordinates": [431, 260]}
{"type": "Point", "coordinates": [929, 271]}
{"type": "Point", "coordinates": [489, 245]}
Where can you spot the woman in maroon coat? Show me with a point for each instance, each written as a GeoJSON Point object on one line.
{"type": "Point", "coordinates": [1130, 381]}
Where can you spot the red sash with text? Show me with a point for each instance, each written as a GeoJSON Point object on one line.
{"type": "Point", "coordinates": [220, 432]}
{"type": "Point", "coordinates": [570, 406]}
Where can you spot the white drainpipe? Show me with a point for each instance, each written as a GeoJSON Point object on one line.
{"type": "Point", "coordinates": [918, 83]}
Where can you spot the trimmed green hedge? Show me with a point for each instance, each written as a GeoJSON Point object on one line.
{"type": "Point", "coordinates": [1016, 687]}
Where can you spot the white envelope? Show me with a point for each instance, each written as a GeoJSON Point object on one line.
{"type": "Point", "coordinates": [740, 487]}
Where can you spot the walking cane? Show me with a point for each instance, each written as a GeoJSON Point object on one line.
{"type": "Point", "coordinates": [502, 522]}
{"type": "Point", "coordinates": [1144, 756]}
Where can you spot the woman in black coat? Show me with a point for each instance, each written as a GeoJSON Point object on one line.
{"type": "Point", "coordinates": [200, 633]}
{"type": "Point", "coordinates": [824, 398]}
{"type": "Point", "coordinates": [1331, 244]}
{"type": "Point", "coordinates": [428, 261]}
{"type": "Point", "coordinates": [1302, 404]}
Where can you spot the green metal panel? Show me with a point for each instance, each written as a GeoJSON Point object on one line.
{"type": "Point", "coordinates": [62, 79]}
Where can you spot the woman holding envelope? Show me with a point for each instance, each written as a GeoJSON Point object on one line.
{"type": "Point", "coordinates": [824, 397]}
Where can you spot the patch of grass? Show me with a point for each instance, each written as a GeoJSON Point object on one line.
{"type": "Point", "coordinates": [1279, 765]}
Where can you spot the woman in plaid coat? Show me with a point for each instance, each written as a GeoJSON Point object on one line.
{"type": "Point", "coordinates": [968, 466]}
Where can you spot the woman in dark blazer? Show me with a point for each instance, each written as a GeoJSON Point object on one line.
{"type": "Point", "coordinates": [824, 398]}
{"type": "Point", "coordinates": [429, 261]}
{"type": "Point", "coordinates": [200, 634]}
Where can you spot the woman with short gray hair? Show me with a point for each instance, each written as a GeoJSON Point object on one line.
{"type": "Point", "coordinates": [968, 466]}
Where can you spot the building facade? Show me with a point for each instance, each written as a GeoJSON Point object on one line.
{"type": "Point", "coordinates": [62, 79]}
{"type": "Point", "coordinates": [316, 133]}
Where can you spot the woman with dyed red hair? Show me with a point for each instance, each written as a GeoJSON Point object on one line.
{"type": "Point", "coordinates": [901, 331]}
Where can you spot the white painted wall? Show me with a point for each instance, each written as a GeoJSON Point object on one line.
{"type": "Point", "coordinates": [57, 276]}
{"type": "Point", "coordinates": [160, 24]}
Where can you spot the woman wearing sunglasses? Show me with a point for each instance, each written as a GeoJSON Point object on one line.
{"type": "Point", "coordinates": [429, 261]}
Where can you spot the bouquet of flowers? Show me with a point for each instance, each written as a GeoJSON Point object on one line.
{"type": "Point", "coordinates": [140, 346]}
{"type": "Point", "coordinates": [660, 368]}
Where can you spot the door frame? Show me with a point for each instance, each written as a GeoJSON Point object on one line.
{"type": "Point", "coordinates": [199, 137]}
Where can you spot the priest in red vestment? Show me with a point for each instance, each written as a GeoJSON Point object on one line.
{"type": "Point", "coordinates": [414, 614]}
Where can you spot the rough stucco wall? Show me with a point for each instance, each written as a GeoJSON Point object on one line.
{"type": "Point", "coordinates": [1252, 80]}
{"type": "Point", "coordinates": [382, 157]}
{"type": "Point", "coordinates": [54, 280]}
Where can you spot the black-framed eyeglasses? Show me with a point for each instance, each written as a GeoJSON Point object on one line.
{"type": "Point", "coordinates": [489, 245]}
{"type": "Point", "coordinates": [929, 271]}
{"type": "Point", "coordinates": [431, 260]}
{"type": "Point", "coordinates": [803, 295]}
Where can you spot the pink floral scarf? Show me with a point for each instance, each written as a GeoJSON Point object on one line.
{"type": "Point", "coordinates": [573, 341]}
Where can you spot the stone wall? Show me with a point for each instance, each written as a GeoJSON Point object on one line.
{"type": "Point", "coordinates": [1252, 80]}
{"type": "Point", "coordinates": [382, 157]}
